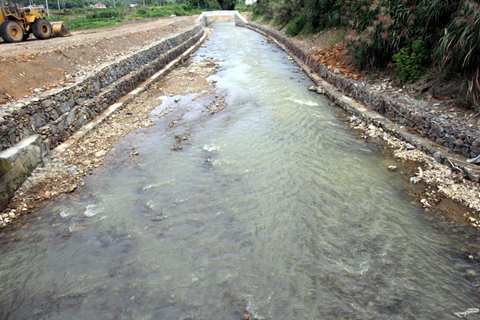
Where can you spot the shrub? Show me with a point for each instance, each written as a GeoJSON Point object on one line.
{"type": "Point", "coordinates": [459, 47]}
{"type": "Point", "coordinates": [105, 15]}
{"type": "Point", "coordinates": [142, 11]}
{"type": "Point", "coordinates": [411, 61]}
{"type": "Point", "coordinates": [295, 26]}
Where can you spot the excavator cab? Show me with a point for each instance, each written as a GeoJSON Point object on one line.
{"type": "Point", "coordinates": [17, 23]}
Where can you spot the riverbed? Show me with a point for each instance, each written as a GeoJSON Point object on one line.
{"type": "Point", "coordinates": [255, 201]}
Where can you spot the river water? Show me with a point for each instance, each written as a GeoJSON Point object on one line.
{"type": "Point", "coordinates": [270, 207]}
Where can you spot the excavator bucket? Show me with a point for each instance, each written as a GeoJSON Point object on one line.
{"type": "Point", "coordinates": [59, 29]}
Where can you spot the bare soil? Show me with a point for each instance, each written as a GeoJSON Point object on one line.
{"type": "Point", "coordinates": [37, 65]}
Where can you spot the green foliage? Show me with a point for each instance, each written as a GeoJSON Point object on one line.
{"type": "Point", "coordinates": [295, 26]}
{"type": "Point", "coordinates": [412, 61]}
{"type": "Point", "coordinates": [105, 15]}
{"type": "Point", "coordinates": [244, 7]}
{"type": "Point", "coordinates": [459, 47]}
{"type": "Point", "coordinates": [141, 11]}
{"type": "Point", "coordinates": [227, 4]}
{"type": "Point", "coordinates": [204, 4]}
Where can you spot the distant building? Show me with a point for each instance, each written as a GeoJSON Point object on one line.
{"type": "Point", "coordinates": [250, 1]}
{"type": "Point", "coordinates": [133, 4]}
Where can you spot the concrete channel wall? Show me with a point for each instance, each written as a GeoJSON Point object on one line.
{"type": "Point", "coordinates": [30, 128]}
{"type": "Point", "coordinates": [240, 21]}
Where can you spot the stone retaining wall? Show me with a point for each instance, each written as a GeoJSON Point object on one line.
{"type": "Point", "coordinates": [55, 116]}
{"type": "Point", "coordinates": [408, 112]}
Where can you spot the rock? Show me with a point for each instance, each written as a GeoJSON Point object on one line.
{"type": "Point", "coordinates": [336, 71]}
{"type": "Point", "coordinates": [409, 146]}
{"type": "Point", "coordinates": [392, 168]}
{"type": "Point", "coordinates": [311, 88]}
{"type": "Point", "coordinates": [100, 153]}
{"type": "Point", "coordinates": [438, 156]}
{"type": "Point", "coordinates": [474, 160]}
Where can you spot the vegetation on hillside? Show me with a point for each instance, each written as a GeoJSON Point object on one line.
{"type": "Point", "coordinates": [415, 34]}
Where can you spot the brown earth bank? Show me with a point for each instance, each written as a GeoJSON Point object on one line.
{"type": "Point", "coordinates": [34, 66]}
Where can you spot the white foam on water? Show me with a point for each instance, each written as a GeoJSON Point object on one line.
{"type": "Point", "coordinates": [92, 210]}
{"type": "Point", "coordinates": [72, 227]}
{"type": "Point", "coordinates": [304, 102]}
{"type": "Point", "coordinates": [65, 213]}
{"type": "Point", "coordinates": [150, 204]}
{"type": "Point", "coordinates": [211, 147]}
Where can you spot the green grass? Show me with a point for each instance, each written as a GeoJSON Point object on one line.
{"type": "Point", "coordinates": [243, 7]}
{"type": "Point", "coordinates": [80, 19]}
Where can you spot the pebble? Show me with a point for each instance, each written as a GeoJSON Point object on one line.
{"type": "Point", "coordinates": [100, 153]}
{"type": "Point", "coordinates": [471, 272]}
{"type": "Point", "coordinates": [392, 168]}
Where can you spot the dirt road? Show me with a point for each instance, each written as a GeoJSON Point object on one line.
{"type": "Point", "coordinates": [33, 66]}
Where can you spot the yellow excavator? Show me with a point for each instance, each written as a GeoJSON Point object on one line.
{"type": "Point", "coordinates": [16, 23]}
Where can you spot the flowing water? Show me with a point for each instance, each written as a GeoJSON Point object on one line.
{"type": "Point", "coordinates": [270, 207]}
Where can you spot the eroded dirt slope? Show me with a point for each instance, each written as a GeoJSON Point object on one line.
{"type": "Point", "coordinates": [30, 67]}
